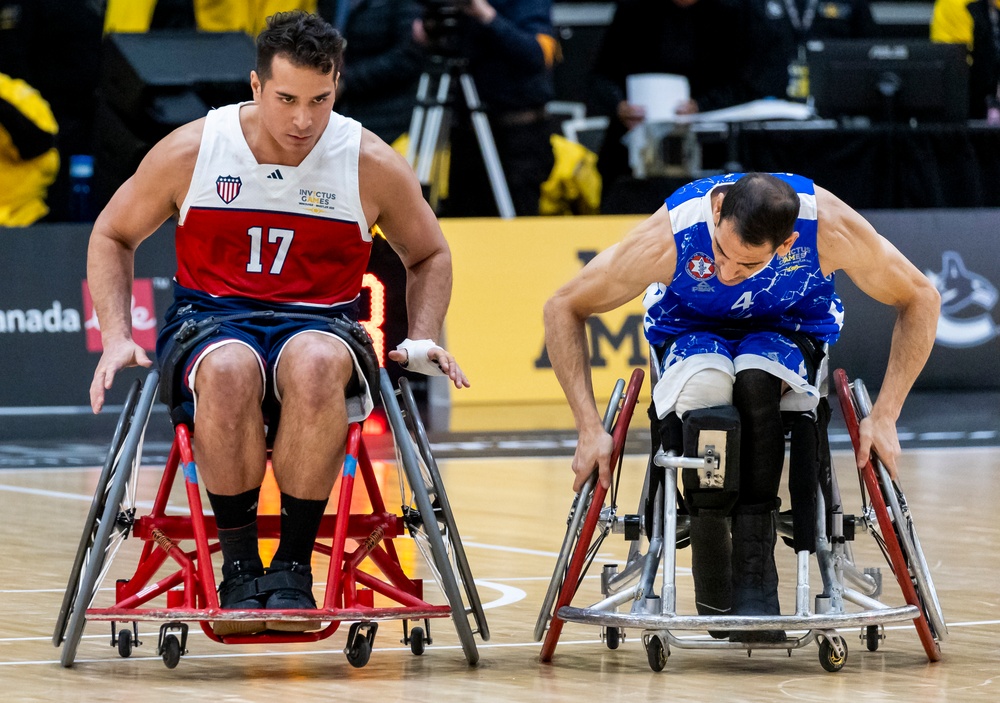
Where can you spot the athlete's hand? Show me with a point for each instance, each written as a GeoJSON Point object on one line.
{"type": "Point", "coordinates": [593, 451]}
{"type": "Point", "coordinates": [440, 358]}
{"type": "Point", "coordinates": [877, 433]}
{"type": "Point", "coordinates": [117, 356]}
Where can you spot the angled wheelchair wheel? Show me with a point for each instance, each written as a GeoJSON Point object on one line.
{"type": "Point", "coordinates": [582, 546]}
{"type": "Point", "coordinates": [109, 520]}
{"type": "Point", "coordinates": [891, 523]}
{"type": "Point", "coordinates": [432, 529]}
{"type": "Point", "coordinates": [442, 507]}
{"type": "Point", "coordinates": [574, 521]}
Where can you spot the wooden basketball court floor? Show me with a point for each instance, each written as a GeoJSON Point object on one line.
{"type": "Point", "coordinates": [511, 513]}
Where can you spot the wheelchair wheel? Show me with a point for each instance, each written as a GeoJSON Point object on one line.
{"type": "Point", "coordinates": [429, 532]}
{"type": "Point", "coordinates": [583, 547]}
{"type": "Point", "coordinates": [442, 506]}
{"type": "Point", "coordinates": [577, 511]}
{"type": "Point", "coordinates": [110, 519]}
{"type": "Point", "coordinates": [892, 525]}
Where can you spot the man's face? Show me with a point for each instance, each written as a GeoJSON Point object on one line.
{"type": "Point", "coordinates": [295, 103]}
{"type": "Point", "coordinates": [735, 260]}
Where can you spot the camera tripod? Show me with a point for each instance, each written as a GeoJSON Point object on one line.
{"type": "Point", "coordinates": [430, 128]}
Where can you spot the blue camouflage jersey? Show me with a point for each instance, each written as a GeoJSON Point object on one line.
{"type": "Point", "coordinates": [789, 294]}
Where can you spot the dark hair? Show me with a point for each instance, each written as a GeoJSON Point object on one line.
{"type": "Point", "coordinates": [305, 39]}
{"type": "Point", "coordinates": [762, 209]}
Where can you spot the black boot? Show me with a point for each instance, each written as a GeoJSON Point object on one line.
{"type": "Point", "coordinates": [755, 576]}
{"type": "Point", "coordinates": [711, 549]}
{"type": "Point", "coordinates": [289, 587]}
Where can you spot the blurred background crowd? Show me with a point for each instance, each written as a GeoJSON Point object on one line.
{"type": "Point", "coordinates": [88, 86]}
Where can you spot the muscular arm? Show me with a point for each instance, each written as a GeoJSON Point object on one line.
{"type": "Point", "coordinates": [392, 199]}
{"type": "Point", "coordinates": [141, 205]}
{"type": "Point", "coordinates": [848, 242]}
{"type": "Point", "coordinates": [611, 279]}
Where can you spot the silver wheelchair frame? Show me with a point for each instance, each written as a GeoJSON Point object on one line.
{"type": "Point", "coordinates": [884, 514]}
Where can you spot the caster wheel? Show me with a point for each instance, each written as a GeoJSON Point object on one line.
{"type": "Point", "coordinates": [828, 657]}
{"type": "Point", "coordinates": [612, 636]}
{"type": "Point", "coordinates": [656, 655]}
{"type": "Point", "coordinates": [359, 654]}
{"type": "Point", "coordinates": [125, 643]}
{"type": "Point", "coordinates": [171, 651]}
{"type": "Point", "coordinates": [417, 641]}
{"type": "Point", "coordinates": [872, 638]}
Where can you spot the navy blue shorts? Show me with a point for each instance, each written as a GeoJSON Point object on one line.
{"type": "Point", "coordinates": [264, 334]}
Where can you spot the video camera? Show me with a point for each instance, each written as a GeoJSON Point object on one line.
{"type": "Point", "coordinates": [442, 20]}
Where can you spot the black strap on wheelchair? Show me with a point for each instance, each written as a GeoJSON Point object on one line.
{"type": "Point", "coordinates": [193, 332]}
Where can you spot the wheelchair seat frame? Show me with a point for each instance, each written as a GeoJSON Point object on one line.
{"type": "Point", "coordinates": [884, 514]}
{"type": "Point", "coordinates": [358, 570]}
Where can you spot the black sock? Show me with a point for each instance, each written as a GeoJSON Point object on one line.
{"type": "Point", "coordinates": [300, 521]}
{"type": "Point", "coordinates": [235, 511]}
{"type": "Point", "coordinates": [236, 520]}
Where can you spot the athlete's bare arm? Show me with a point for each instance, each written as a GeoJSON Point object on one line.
{"type": "Point", "coordinates": [615, 276]}
{"type": "Point", "coordinates": [143, 203]}
{"type": "Point", "coordinates": [392, 199]}
{"type": "Point", "coordinates": [848, 242]}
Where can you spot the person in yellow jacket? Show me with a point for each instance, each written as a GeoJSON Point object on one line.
{"type": "Point", "coordinates": [975, 23]}
{"type": "Point", "coordinates": [210, 15]}
{"type": "Point", "coordinates": [29, 160]}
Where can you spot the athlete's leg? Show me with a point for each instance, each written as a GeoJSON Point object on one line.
{"type": "Point", "coordinates": [697, 373]}
{"type": "Point", "coordinates": [311, 377]}
{"type": "Point", "coordinates": [227, 382]}
{"type": "Point", "coordinates": [766, 366]}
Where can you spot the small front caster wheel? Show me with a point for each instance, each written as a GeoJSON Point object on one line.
{"type": "Point", "coordinates": [828, 657]}
{"type": "Point", "coordinates": [417, 641]}
{"type": "Point", "coordinates": [612, 637]}
{"type": "Point", "coordinates": [359, 653]}
{"type": "Point", "coordinates": [171, 651]}
{"type": "Point", "coordinates": [125, 644]}
{"type": "Point", "coordinates": [656, 655]}
{"type": "Point", "coordinates": [872, 638]}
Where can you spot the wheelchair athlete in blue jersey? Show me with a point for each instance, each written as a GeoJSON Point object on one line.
{"type": "Point", "coordinates": [738, 275]}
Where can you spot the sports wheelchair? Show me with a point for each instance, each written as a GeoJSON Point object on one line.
{"type": "Point", "coordinates": [366, 582]}
{"type": "Point", "coordinates": [884, 514]}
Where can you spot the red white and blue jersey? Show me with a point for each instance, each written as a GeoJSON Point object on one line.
{"type": "Point", "coordinates": [293, 235]}
{"type": "Point", "coordinates": [790, 293]}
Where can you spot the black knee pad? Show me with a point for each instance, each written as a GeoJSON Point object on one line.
{"type": "Point", "coordinates": [713, 490]}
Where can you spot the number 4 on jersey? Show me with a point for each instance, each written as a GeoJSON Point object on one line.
{"type": "Point", "coordinates": [743, 303]}
{"type": "Point", "coordinates": [281, 237]}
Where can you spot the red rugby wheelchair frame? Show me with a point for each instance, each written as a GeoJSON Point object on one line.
{"type": "Point", "coordinates": [361, 546]}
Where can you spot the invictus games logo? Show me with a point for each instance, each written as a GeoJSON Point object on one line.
{"type": "Point", "coordinates": [228, 187]}
{"type": "Point", "coordinates": [966, 301]}
{"type": "Point", "coordinates": [700, 267]}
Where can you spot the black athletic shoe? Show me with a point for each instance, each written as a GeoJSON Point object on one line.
{"type": "Point", "coordinates": [289, 587]}
{"type": "Point", "coordinates": [239, 591]}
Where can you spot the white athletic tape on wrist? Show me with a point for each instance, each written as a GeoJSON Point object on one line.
{"type": "Point", "coordinates": [416, 356]}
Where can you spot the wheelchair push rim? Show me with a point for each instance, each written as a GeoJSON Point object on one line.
{"type": "Point", "coordinates": [900, 553]}
{"type": "Point", "coordinates": [418, 433]}
{"type": "Point", "coordinates": [104, 535]}
{"type": "Point", "coordinates": [584, 547]}
{"type": "Point", "coordinates": [578, 508]}
{"type": "Point", "coordinates": [438, 559]}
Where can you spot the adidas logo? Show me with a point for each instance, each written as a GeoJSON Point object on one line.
{"type": "Point", "coordinates": [276, 175]}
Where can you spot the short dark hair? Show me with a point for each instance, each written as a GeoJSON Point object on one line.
{"type": "Point", "coordinates": [305, 39]}
{"type": "Point", "coordinates": [762, 209]}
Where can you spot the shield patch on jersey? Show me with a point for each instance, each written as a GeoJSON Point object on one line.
{"type": "Point", "coordinates": [228, 187]}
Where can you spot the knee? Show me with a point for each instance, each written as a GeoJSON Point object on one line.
{"type": "Point", "coordinates": [230, 375]}
{"type": "Point", "coordinates": [755, 390]}
{"type": "Point", "coordinates": [314, 369]}
{"type": "Point", "coordinates": [706, 389]}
